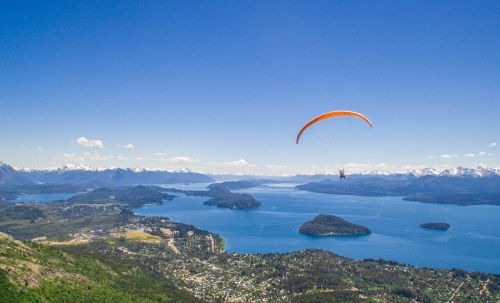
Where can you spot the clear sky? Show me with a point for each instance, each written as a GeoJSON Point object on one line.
{"type": "Point", "coordinates": [224, 86]}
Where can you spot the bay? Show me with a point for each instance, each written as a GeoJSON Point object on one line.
{"type": "Point", "coordinates": [472, 242]}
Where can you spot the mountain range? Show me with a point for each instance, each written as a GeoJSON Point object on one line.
{"type": "Point", "coordinates": [10, 177]}
{"type": "Point", "coordinates": [461, 189]}
{"type": "Point", "coordinates": [465, 186]}
{"type": "Point", "coordinates": [96, 177]}
{"type": "Point", "coordinates": [404, 174]}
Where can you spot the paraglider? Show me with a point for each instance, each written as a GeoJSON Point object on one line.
{"type": "Point", "coordinates": [332, 114]}
{"type": "Point", "coordinates": [342, 174]}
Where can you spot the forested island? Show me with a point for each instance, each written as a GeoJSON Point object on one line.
{"type": "Point", "coordinates": [329, 225]}
{"type": "Point", "coordinates": [435, 226]}
{"type": "Point", "coordinates": [222, 197]}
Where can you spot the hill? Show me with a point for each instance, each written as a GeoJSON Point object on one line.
{"type": "Point", "coordinates": [445, 189]}
{"type": "Point", "coordinates": [31, 272]}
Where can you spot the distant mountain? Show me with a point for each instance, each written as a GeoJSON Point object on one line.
{"type": "Point", "coordinates": [304, 178]}
{"type": "Point", "coordinates": [462, 184]}
{"type": "Point", "coordinates": [367, 186]}
{"type": "Point", "coordinates": [10, 177]}
{"type": "Point", "coordinates": [457, 172]}
{"type": "Point", "coordinates": [112, 176]}
{"type": "Point", "coordinates": [445, 188]}
{"type": "Point", "coordinates": [272, 179]}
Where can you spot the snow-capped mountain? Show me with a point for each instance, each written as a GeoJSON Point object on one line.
{"type": "Point", "coordinates": [71, 167]}
{"type": "Point", "coordinates": [10, 177]}
{"type": "Point", "coordinates": [70, 174]}
{"type": "Point", "coordinates": [60, 169]}
{"type": "Point", "coordinates": [459, 172]}
{"type": "Point", "coordinates": [453, 172]}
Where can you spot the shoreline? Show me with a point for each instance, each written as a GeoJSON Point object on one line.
{"type": "Point", "coordinates": [400, 263]}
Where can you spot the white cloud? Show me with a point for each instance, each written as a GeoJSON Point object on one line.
{"type": "Point", "coordinates": [68, 157]}
{"type": "Point", "coordinates": [493, 144]}
{"type": "Point", "coordinates": [365, 166]}
{"type": "Point", "coordinates": [239, 163]}
{"type": "Point", "coordinates": [39, 148]}
{"type": "Point", "coordinates": [128, 146]}
{"type": "Point", "coordinates": [239, 167]}
{"type": "Point", "coordinates": [483, 154]}
{"type": "Point", "coordinates": [96, 156]}
{"type": "Point", "coordinates": [276, 166]}
{"type": "Point", "coordinates": [470, 155]}
{"type": "Point", "coordinates": [448, 156]}
{"type": "Point", "coordinates": [82, 141]}
{"type": "Point", "coordinates": [178, 160]}
{"type": "Point", "coordinates": [121, 158]}
{"type": "Point", "coordinates": [174, 160]}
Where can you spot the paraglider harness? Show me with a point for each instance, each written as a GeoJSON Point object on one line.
{"type": "Point", "coordinates": [342, 174]}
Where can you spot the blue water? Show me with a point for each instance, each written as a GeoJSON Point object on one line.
{"type": "Point", "coordinates": [43, 197]}
{"type": "Point", "coordinates": [472, 242]}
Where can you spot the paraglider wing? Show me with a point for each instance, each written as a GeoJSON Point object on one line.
{"type": "Point", "coordinates": [330, 115]}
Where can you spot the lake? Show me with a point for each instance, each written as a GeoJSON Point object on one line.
{"type": "Point", "coordinates": [471, 243]}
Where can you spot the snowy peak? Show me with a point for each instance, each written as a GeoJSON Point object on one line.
{"type": "Point", "coordinates": [86, 168]}
{"type": "Point", "coordinates": [469, 172]}
{"type": "Point", "coordinates": [60, 169]}
{"type": "Point", "coordinates": [453, 172]}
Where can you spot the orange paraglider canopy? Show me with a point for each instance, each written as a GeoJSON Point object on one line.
{"type": "Point", "coordinates": [330, 115]}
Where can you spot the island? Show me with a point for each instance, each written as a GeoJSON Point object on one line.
{"type": "Point", "coordinates": [328, 225]}
{"type": "Point", "coordinates": [222, 197]}
{"type": "Point", "coordinates": [435, 226]}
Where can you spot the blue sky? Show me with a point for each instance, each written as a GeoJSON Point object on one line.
{"type": "Point", "coordinates": [224, 86]}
